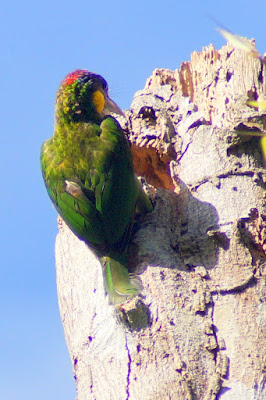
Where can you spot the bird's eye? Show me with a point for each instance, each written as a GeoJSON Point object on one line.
{"type": "Point", "coordinates": [104, 85]}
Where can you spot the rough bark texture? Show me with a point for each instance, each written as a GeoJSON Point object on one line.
{"type": "Point", "coordinates": [198, 330]}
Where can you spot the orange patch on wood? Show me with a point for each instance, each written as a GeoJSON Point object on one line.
{"type": "Point", "coordinates": [154, 167]}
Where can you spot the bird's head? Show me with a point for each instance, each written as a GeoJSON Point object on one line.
{"type": "Point", "coordinates": [83, 97]}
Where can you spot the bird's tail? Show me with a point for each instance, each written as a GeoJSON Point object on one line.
{"type": "Point", "coordinates": [119, 284]}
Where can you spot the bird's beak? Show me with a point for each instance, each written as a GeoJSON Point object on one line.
{"type": "Point", "coordinates": [111, 107]}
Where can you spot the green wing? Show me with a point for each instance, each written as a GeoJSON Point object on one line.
{"type": "Point", "coordinates": [94, 188]}
{"type": "Point", "coordinates": [119, 189]}
{"type": "Point", "coordinates": [77, 210]}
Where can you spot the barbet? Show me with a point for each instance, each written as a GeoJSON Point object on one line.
{"type": "Point", "coordinates": [88, 172]}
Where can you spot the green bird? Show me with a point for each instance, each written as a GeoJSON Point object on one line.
{"type": "Point", "coordinates": [88, 172]}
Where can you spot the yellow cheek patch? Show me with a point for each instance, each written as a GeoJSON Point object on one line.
{"type": "Point", "coordinates": [98, 100]}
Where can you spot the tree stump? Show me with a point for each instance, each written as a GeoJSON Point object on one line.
{"type": "Point", "coordinates": [197, 331]}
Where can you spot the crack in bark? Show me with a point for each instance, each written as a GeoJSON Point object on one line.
{"type": "Point", "coordinates": [223, 175]}
{"type": "Point", "coordinates": [184, 152]}
{"type": "Point", "coordinates": [129, 369]}
{"type": "Point", "coordinates": [214, 329]}
{"type": "Point", "coordinates": [239, 288]}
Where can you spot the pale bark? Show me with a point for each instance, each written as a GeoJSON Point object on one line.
{"type": "Point", "coordinates": [198, 330]}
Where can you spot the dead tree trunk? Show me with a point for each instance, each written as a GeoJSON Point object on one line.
{"type": "Point", "coordinates": [197, 331]}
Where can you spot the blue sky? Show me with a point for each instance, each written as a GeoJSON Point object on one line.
{"type": "Point", "coordinates": [40, 43]}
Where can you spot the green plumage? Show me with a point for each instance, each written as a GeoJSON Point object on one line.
{"type": "Point", "coordinates": [88, 171]}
